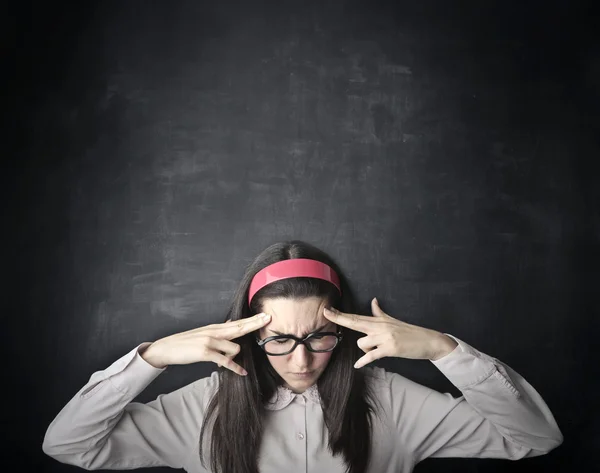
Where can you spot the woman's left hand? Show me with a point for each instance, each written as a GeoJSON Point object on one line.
{"type": "Point", "coordinates": [387, 336]}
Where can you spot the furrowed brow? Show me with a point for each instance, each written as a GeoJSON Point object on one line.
{"type": "Point", "coordinates": [304, 335]}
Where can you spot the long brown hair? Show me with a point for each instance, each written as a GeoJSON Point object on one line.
{"type": "Point", "coordinates": [238, 403]}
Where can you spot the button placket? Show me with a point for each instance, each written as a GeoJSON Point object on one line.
{"type": "Point", "coordinates": [300, 435]}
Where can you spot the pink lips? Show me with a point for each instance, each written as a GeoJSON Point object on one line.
{"type": "Point", "coordinates": [303, 374]}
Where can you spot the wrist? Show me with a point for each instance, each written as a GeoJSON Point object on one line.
{"type": "Point", "coordinates": [443, 345]}
{"type": "Point", "coordinates": [151, 356]}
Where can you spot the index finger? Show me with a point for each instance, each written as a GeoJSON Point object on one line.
{"type": "Point", "coordinates": [238, 328]}
{"type": "Point", "coordinates": [353, 321]}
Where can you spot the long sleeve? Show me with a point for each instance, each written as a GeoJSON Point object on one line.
{"type": "Point", "coordinates": [101, 428]}
{"type": "Point", "coordinates": [499, 415]}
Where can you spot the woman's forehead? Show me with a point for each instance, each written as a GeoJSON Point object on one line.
{"type": "Point", "coordinates": [285, 307]}
{"type": "Point", "coordinates": [296, 316]}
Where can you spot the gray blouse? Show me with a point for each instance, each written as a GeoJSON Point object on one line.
{"type": "Point", "coordinates": [499, 415]}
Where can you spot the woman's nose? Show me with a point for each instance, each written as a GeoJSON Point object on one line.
{"type": "Point", "coordinates": [301, 356]}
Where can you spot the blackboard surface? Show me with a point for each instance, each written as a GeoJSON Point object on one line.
{"type": "Point", "coordinates": [443, 152]}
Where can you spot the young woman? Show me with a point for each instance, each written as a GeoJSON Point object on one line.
{"type": "Point", "coordinates": [290, 394]}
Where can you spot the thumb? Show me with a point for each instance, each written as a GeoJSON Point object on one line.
{"type": "Point", "coordinates": [377, 312]}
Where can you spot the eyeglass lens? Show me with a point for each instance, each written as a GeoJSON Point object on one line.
{"type": "Point", "coordinates": [279, 346]}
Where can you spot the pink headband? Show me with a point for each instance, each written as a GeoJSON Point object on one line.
{"type": "Point", "coordinates": [292, 268]}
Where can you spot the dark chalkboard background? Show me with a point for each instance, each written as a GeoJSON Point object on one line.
{"type": "Point", "coordinates": [443, 152]}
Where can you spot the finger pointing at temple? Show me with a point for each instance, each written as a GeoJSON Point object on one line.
{"type": "Point", "coordinates": [356, 322]}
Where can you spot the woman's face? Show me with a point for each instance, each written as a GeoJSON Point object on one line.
{"type": "Point", "coordinates": [299, 318]}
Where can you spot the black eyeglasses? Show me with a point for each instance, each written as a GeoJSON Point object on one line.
{"type": "Point", "coordinates": [318, 342]}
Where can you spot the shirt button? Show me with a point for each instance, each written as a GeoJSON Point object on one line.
{"type": "Point", "coordinates": [300, 435]}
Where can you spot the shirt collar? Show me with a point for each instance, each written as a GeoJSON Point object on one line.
{"type": "Point", "coordinates": [284, 396]}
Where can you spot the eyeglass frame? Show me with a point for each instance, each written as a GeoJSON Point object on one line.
{"type": "Point", "coordinates": [300, 341]}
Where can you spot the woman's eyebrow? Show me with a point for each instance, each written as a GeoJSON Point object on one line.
{"type": "Point", "coordinates": [304, 335]}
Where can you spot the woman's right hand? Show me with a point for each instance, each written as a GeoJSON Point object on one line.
{"type": "Point", "coordinates": [210, 343]}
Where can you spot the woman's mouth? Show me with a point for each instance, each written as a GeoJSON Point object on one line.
{"type": "Point", "coordinates": [305, 374]}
